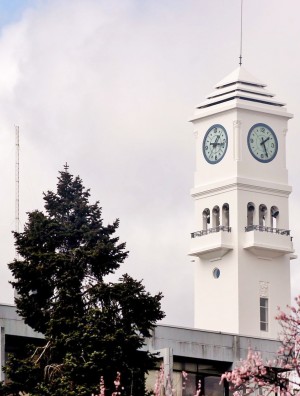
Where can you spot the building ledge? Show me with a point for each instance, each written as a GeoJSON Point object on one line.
{"type": "Point", "coordinates": [209, 345]}
{"type": "Point", "coordinates": [212, 243]}
{"type": "Point", "coordinates": [267, 242]}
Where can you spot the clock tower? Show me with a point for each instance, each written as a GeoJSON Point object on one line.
{"type": "Point", "coordinates": [241, 243]}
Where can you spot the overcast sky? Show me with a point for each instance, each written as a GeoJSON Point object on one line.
{"type": "Point", "coordinates": [108, 86]}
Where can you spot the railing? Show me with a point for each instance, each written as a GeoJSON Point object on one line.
{"type": "Point", "coordinates": [210, 231]}
{"type": "Point", "coordinates": [267, 229]}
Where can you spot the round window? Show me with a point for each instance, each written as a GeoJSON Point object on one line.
{"type": "Point", "coordinates": [216, 273]}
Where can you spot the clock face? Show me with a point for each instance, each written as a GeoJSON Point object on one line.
{"type": "Point", "coordinates": [262, 142]}
{"type": "Point", "coordinates": [215, 144]}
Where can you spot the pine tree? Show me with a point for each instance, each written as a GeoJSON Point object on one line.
{"type": "Point", "coordinates": [92, 328]}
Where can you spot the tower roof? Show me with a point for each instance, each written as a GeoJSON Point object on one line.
{"type": "Point", "coordinates": [240, 74]}
{"type": "Point", "coordinates": [240, 84]}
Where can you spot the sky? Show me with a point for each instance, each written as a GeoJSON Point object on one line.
{"type": "Point", "coordinates": [108, 87]}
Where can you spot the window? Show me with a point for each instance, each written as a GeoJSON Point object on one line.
{"type": "Point", "coordinates": [262, 215]}
{"type": "Point", "coordinates": [216, 216]}
{"type": "Point", "coordinates": [250, 214]}
{"type": "Point", "coordinates": [216, 273]}
{"type": "Point", "coordinates": [212, 386]}
{"type": "Point", "coordinates": [225, 215]}
{"type": "Point", "coordinates": [264, 313]}
{"type": "Point", "coordinates": [206, 218]}
{"type": "Point", "coordinates": [274, 216]}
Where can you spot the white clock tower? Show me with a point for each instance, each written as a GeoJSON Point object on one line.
{"type": "Point", "coordinates": [241, 242]}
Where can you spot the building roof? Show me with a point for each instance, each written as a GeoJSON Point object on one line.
{"type": "Point", "coordinates": [240, 84]}
{"type": "Point", "coordinates": [209, 345]}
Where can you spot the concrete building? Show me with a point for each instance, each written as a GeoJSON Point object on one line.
{"type": "Point", "coordinates": [204, 355]}
{"type": "Point", "coordinates": [14, 333]}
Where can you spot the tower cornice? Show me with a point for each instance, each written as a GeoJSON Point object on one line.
{"type": "Point", "coordinates": [237, 103]}
{"type": "Point", "coordinates": [241, 184]}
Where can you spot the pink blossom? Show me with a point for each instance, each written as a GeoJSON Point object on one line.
{"type": "Point", "coordinates": [102, 386]}
{"type": "Point", "coordinates": [273, 375]}
{"type": "Point", "coordinates": [198, 389]}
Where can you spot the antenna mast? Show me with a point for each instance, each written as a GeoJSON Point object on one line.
{"type": "Point", "coordinates": [241, 38]}
{"type": "Point", "coordinates": [17, 174]}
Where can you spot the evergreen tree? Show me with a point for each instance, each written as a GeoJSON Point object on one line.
{"type": "Point", "coordinates": [92, 328]}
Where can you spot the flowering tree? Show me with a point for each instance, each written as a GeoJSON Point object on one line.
{"type": "Point", "coordinates": [281, 375]}
{"type": "Point", "coordinates": [165, 386]}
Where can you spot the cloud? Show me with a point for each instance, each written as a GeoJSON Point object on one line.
{"type": "Point", "coordinates": [87, 84]}
{"type": "Point", "coordinates": [108, 87]}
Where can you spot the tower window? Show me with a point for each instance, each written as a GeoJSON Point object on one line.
{"type": "Point", "coordinates": [250, 214]}
{"type": "Point", "coordinates": [274, 216]}
{"type": "Point", "coordinates": [262, 215]}
{"type": "Point", "coordinates": [206, 218]}
{"type": "Point", "coordinates": [225, 215]}
{"type": "Point", "coordinates": [216, 273]}
{"type": "Point", "coordinates": [216, 216]}
{"type": "Point", "coordinates": [264, 308]}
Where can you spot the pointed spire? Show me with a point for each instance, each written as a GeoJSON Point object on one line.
{"type": "Point", "coordinates": [241, 38]}
{"type": "Point", "coordinates": [66, 167]}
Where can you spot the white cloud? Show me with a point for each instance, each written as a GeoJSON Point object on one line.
{"type": "Point", "coordinates": [108, 87]}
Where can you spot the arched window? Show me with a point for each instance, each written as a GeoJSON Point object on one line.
{"type": "Point", "coordinates": [262, 215]}
{"type": "Point", "coordinates": [274, 216]}
{"type": "Point", "coordinates": [216, 216]}
{"type": "Point", "coordinates": [206, 218]}
{"type": "Point", "coordinates": [250, 213]}
{"type": "Point", "coordinates": [225, 215]}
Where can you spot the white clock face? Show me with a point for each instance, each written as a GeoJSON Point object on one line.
{"type": "Point", "coordinates": [215, 144]}
{"type": "Point", "coordinates": [262, 142]}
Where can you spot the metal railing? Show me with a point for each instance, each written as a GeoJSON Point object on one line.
{"type": "Point", "coordinates": [210, 231]}
{"type": "Point", "coordinates": [267, 229]}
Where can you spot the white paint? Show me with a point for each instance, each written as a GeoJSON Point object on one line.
{"type": "Point", "coordinates": [246, 259]}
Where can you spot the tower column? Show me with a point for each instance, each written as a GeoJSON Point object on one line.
{"type": "Point", "coordinates": [237, 139]}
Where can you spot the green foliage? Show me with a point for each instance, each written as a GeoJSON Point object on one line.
{"type": "Point", "coordinates": [92, 328]}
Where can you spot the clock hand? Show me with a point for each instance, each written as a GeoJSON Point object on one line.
{"type": "Point", "coordinates": [264, 141]}
{"type": "Point", "coordinates": [215, 143]}
{"type": "Point", "coordinates": [264, 144]}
